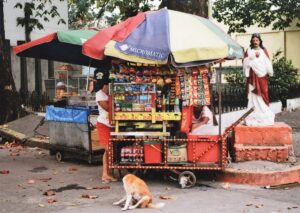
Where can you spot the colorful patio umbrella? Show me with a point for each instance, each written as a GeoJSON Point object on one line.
{"type": "Point", "coordinates": [64, 46]}
{"type": "Point", "coordinates": [162, 36]}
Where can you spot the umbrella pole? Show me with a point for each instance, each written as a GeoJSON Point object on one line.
{"type": "Point", "coordinates": [88, 76]}
{"type": "Point", "coordinates": [219, 82]}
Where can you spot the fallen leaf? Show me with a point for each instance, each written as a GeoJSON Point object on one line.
{"type": "Point", "coordinates": [73, 168]}
{"type": "Point", "coordinates": [23, 187]}
{"type": "Point", "coordinates": [293, 207]}
{"type": "Point", "coordinates": [89, 196]}
{"type": "Point", "coordinates": [250, 204]}
{"type": "Point", "coordinates": [101, 187]}
{"type": "Point", "coordinates": [14, 154]}
{"type": "Point", "coordinates": [31, 181]}
{"type": "Point", "coordinates": [51, 200]}
{"type": "Point", "coordinates": [41, 205]}
{"type": "Point", "coordinates": [4, 172]}
{"type": "Point", "coordinates": [49, 193]}
{"type": "Point", "coordinates": [46, 179]}
{"type": "Point", "coordinates": [167, 197]}
{"type": "Point", "coordinates": [259, 205]}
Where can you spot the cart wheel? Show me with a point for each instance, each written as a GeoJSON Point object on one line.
{"type": "Point", "coordinates": [59, 156]}
{"type": "Point", "coordinates": [187, 179]}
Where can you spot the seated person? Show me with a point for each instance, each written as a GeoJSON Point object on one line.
{"type": "Point", "coordinates": [201, 116]}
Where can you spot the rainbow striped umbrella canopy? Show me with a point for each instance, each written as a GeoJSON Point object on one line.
{"type": "Point", "coordinates": [162, 36]}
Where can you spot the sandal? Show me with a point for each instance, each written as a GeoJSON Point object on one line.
{"type": "Point", "coordinates": [105, 181]}
{"type": "Point", "coordinates": [113, 180]}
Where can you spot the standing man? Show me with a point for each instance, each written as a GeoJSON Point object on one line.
{"type": "Point", "coordinates": [257, 68]}
{"type": "Point", "coordinates": [103, 126]}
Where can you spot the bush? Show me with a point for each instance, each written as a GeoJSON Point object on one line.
{"type": "Point", "coordinates": [285, 75]}
{"type": "Point", "coordinates": [235, 77]}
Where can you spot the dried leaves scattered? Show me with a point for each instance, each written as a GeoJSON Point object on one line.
{"type": "Point", "coordinates": [4, 172]}
{"type": "Point", "coordinates": [89, 196]}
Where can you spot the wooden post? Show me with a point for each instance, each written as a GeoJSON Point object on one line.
{"type": "Point", "coordinates": [50, 69]}
{"type": "Point", "coordinates": [23, 72]}
{"type": "Point", "coordinates": [38, 76]}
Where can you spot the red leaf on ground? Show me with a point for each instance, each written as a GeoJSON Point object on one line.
{"type": "Point", "coordinates": [101, 187]}
{"type": "Point", "coordinates": [14, 154]}
{"type": "Point", "coordinates": [51, 200]}
{"type": "Point", "coordinates": [73, 168]}
{"type": "Point", "coordinates": [89, 196]}
{"type": "Point", "coordinates": [4, 172]}
{"type": "Point", "coordinates": [49, 193]}
{"type": "Point", "coordinates": [45, 179]}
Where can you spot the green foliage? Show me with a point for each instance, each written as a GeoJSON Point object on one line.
{"type": "Point", "coordinates": [34, 11]}
{"type": "Point", "coordinates": [81, 12]}
{"type": "Point", "coordinates": [100, 13]}
{"type": "Point", "coordinates": [285, 73]}
{"type": "Point", "coordinates": [239, 14]}
{"type": "Point", "coordinates": [235, 77]}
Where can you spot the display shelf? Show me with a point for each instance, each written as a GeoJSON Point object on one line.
{"type": "Point", "coordinates": [147, 116]}
{"type": "Point", "coordinates": [141, 134]}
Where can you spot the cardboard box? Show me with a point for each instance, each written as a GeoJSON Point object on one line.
{"type": "Point", "coordinates": [177, 153]}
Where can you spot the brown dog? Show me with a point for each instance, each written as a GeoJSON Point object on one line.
{"type": "Point", "coordinates": [137, 194]}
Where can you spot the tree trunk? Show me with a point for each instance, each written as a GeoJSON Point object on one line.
{"type": "Point", "coordinates": [196, 7]}
{"type": "Point", "coordinates": [9, 100]}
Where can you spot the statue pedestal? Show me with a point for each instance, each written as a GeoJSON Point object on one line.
{"type": "Point", "coordinates": [271, 143]}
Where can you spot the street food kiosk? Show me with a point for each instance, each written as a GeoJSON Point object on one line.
{"type": "Point", "coordinates": [151, 107]}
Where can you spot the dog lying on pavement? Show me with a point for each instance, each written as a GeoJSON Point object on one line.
{"type": "Point", "coordinates": [137, 194]}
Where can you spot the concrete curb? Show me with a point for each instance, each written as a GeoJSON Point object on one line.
{"type": "Point", "coordinates": [261, 178]}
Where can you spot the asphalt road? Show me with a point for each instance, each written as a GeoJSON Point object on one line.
{"type": "Point", "coordinates": [32, 172]}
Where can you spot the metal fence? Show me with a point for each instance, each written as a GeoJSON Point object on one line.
{"type": "Point", "coordinates": [233, 99]}
{"type": "Point", "coordinates": [236, 98]}
{"type": "Point", "coordinates": [34, 101]}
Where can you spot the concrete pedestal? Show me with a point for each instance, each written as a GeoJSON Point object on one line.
{"type": "Point", "coordinates": [271, 143]}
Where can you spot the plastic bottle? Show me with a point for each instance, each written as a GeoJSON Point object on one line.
{"type": "Point", "coordinates": [167, 107]}
{"type": "Point", "coordinates": [176, 106]}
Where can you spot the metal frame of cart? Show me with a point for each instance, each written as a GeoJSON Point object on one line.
{"type": "Point", "coordinates": [183, 170]}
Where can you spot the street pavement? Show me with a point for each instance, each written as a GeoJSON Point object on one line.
{"type": "Point", "coordinates": [32, 172]}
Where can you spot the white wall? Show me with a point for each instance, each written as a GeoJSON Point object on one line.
{"type": "Point", "coordinates": [15, 33]}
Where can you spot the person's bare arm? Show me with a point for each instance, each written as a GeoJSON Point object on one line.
{"type": "Point", "coordinates": [202, 121]}
{"type": "Point", "coordinates": [104, 104]}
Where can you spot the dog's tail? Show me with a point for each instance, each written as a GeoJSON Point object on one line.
{"type": "Point", "coordinates": [156, 206]}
